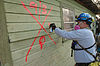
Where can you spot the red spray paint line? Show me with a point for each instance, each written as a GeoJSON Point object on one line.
{"type": "Point", "coordinates": [39, 9]}
{"type": "Point", "coordinates": [38, 21]}
{"type": "Point", "coordinates": [41, 42]}
{"type": "Point", "coordinates": [40, 28]}
{"type": "Point", "coordinates": [44, 9]}
{"type": "Point", "coordinates": [31, 6]}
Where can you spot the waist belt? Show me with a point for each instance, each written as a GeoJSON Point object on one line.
{"type": "Point", "coordinates": [85, 48]}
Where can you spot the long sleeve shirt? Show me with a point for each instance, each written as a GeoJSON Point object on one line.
{"type": "Point", "coordinates": [85, 38]}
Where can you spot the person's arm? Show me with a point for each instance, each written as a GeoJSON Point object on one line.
{"type": "Point", "coordinates": [73, 35]}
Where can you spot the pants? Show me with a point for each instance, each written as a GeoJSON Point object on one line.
{"type": "Point", "coordinates": [82, 64]}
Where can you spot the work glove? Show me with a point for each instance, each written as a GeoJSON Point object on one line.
{"type": "Point", "coordinates": [53, 26]}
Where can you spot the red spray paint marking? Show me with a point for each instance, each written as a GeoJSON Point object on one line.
{"type": "Point", "coordinates": [38, 21]}
{"type": "Point", "coordinates": [40, 41]}
{"type": "Point", "coordinates": [31, 6]}
{"type": "Point", "coordinates": [44, 9]}
{"type": "Point", "coordinates": [40, 28]}
{"type": "Point", "coordinates": [39, 9]}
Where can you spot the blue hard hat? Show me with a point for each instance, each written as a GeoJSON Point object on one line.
{"type": "Point", "coordinates": [84, 17]}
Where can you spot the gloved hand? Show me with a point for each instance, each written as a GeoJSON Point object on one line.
{"type": "Point", "coordinates": [53, 26]}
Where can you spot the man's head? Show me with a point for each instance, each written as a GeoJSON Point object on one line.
{"type": "Point", "coordinates": [84, 20]}
{"type": "Point", "coordinates": [83, 24]}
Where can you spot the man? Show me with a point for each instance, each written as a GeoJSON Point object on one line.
{"type": "Point", "coordinates": [83, 36]}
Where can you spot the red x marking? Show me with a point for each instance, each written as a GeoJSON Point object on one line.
{"type": "Point", "coordinates": [40, 28]}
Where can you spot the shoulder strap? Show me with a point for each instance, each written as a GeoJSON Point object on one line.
{"type": "Point", "coordinates": [85, 48]}
{"type": "Point", "coordinates": [87, 51]}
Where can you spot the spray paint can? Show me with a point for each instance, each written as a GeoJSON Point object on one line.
{"type": "Point", "coordinates": [51, 30]}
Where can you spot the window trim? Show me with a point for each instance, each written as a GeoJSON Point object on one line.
{"type": "Point", "coordinates": [62, 21]}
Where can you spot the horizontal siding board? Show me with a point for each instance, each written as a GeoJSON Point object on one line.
{"type": "Point", "coordinates": [55, 2]}
{"type": "Point", "coordinates": [45, 61]}
{"type": "Point", "coordinates": [50, 5]}
{"type": "Point", "coordinates": [48, 54]}
{"type": "Point", "coordinates": [21, 62]}
{"type": "Point", "coordinates": [24, 26]}
{"type": "Point", "coordinates": [37, 62]}
{"type": "Point", "coordinates": [19, 1]}
{"type": "Point", "coordinates": [32, 57]}
{"type": "Point", "coordinates": [29, 18]}
{"type": "Point", "coordinates": [16, 55]}
{"type": "Point", "coordinates": [15, 27]}
{"type": "Point", "coordinates": [28, 1]}
{"type": "Point", "coordinates": [27, 43]}
{"type": "Point", "coordinates": [77, 12]}
{"type": "Point", "coordinates": [25, 35]}
{"type": "Point", "coordinates": [20, 9]}
{"type": "Point", "coordinates": [22, 53]}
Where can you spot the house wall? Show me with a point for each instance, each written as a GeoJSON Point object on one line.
{"type": "Point", "coordinates": [22, 30]}
{"type": "Point", "coordinates": [5, 54]}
